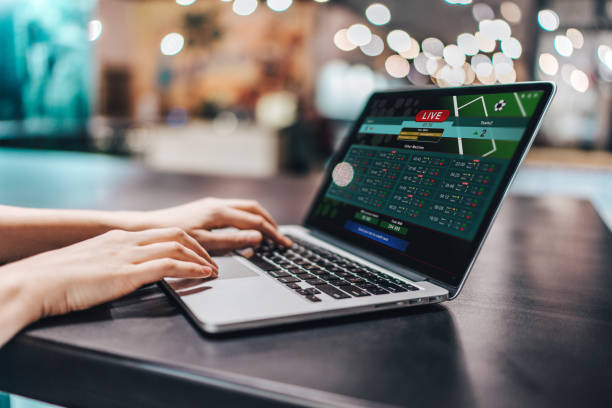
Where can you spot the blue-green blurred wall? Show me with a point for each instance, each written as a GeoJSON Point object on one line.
{"type": "Point", "coordinates": [45, 67]}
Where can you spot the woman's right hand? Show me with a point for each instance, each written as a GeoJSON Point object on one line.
{"type": "Point", "coordinates": [103, 268]}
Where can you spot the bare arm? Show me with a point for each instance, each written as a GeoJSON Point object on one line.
{"type": "Point", "coordinates": [28, 231]}
{"type": "Point", "coordinates": [93, 271]}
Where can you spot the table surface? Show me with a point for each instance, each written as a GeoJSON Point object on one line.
{"type": "Point", "coordinates": [533, 325]}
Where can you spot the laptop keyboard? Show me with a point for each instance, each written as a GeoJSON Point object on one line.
{"type": "Point", "coordinates": [311, 271]}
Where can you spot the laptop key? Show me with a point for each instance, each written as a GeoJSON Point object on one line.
{"type": "Point", "coordinates": [393, 288]}
{"type": "Point", "coordinates": [313, 298]}
{"type": "Point", "coordinates": [333, 292]}
{"type": "Point", "coordinates": [288, 279]}
{"type": "Point", "coordinates": [355, 291]}
{"type": "Point", "coordinates": [278, 273]}
{"type": "Point", "coordinates": [262, 263]}
{"type": "Point", "coordinates": [375, 290]}
{"type": "Point", "coordinates": [306, 276]}
{"type": "Point", "coordinates": [340, 283]}
{"type": "Point", "coordinates": [316, 282]}
{"type": "Point", "coordinates": [312, 291]}
{"type": "Point", "coordinates": [355, 279]}
{"type": "Point", "coordinates": [293, 286]}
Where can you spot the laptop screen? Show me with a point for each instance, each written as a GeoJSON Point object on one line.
{"type": "Point", "coordinates": [421, 175]}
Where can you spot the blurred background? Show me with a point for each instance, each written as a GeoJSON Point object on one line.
{"type": "Point", "coordinates": [249, 87]}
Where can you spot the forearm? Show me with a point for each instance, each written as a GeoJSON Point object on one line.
{"type": "Point", "coordinates": [28, 231]}
{"type": "Point", "coordinates": [18, 307]}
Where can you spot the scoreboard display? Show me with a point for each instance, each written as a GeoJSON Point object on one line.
{"type": "Point", "coordinates": [428, 189]}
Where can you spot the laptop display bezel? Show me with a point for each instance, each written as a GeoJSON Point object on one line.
{"type": "Point", "coordinates": [529, 134]}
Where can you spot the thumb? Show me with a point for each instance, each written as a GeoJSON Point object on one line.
{"type": "Point", "coordinates": [225, 240]}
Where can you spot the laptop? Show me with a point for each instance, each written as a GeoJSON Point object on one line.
{"type": "Point", "coordinates": [398, 220]}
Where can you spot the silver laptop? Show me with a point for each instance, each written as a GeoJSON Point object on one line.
{"type": "Point", "coordinates": [398, 220]}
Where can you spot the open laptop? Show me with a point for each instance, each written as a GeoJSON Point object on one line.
{"type": "Point", "coordinates": [398, 220]}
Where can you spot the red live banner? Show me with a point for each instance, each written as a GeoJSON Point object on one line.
{"type": "Point", "coordinates": [432, 116]}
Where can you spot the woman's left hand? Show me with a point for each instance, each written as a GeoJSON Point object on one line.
{"type": "Point", "coordinates": [200, 217]}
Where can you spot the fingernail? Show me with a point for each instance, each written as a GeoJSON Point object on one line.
{"type": "Point", "coordinates": [207, 271]}
{"type": "Point", "coordinates": [288, 242]}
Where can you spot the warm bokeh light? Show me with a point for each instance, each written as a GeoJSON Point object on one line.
{"type": "Point", "coordinates": [359, 34]}
{"type": "Point", "coordinates": [485, 44]}
{"type": "Point", "coordinates": [548, 20]}
{"type": "Point", "coordinates": [279, 5]}
{"type": "Point", "coordinates": [563, 46]}
{"type": "Point", "coordinates": [432, 47]}
{"type": "Point", "coordinates": [342, 42]}
{"type": "Point", "coordinates": [579, 80]}
{"type": "Point", "coordinates": [413, 51]}
{"type": "Point", "coordinates": [378, 14]}
{"type": "Point", "coordinates": [375, 47]}
{"type": "Point", "coordinates": [575, 37]}
{"type": "Point", "coordinates": [511, 48]}
{"type": "Point", "coordinates": [468, 44]}
{"type": "Point", "coordinates": [548, 64]}
{"type": "Point", "coordinates": [453, 55]}
{"type": "Point", "coordinates": [482, 11]}
{"type": "Point", "coordinates": [397, 66]}
{"type": "Point", "coordinates": [94, 30]}
{"type": "Point", "coordinates": [172, 44]}
{"type": "Point", "coordinates": [244, 7]}
{"type": "Point", "coordinates": [505, 73]}
{"type": "Point", "coordinates": [398, 40]}
{"type": "Point", "coordinates": [511, 12]}
{"type": "Point", "coordinates": [495, 29]}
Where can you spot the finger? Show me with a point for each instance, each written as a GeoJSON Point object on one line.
{"type": "Point", "coordinates": [171, 249]}
{"type": "Point", "coordinates": [252, 206]}
{"type": "Point", "coordinates": [230, 216]}
{"type": "Point", "coordinates": [226, 240]}
{"type": "Point", "coordinates": [174, 234]}
{"type": "Point", "coordinates": [152, 271]}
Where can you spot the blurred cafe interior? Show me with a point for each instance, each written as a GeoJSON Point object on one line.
{"type": "Point", "coordinates": [254, 88]}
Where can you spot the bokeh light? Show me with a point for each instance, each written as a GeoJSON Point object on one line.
{"type": "Point", "coordinates": [468, 44]}
{"type": "Point", "coordinates": [397, 66]}
{"type": "Point", "coordinates": [579, 80]}
{"type": "Point", "coordinates": [378, 14]}
{"type": "Point", "coordinates": [453, 55]}
{"type": "Point", "coordinates": [342, 42]}
{"type": "Point", "coordinates": [482, 11]}
{"type": "Point", "coordinates": [485, 44]}
{"type": "Point", "coordinates": [359, 34]}
{"type": "Point", "coordinates": [94, 30]}
{"type": "Point", "coordinates": [511, 48]}
{"type": "Point", "coordinates": [432, 47]}
{"type": "Point", "coordinates": [413, 51]}
{"type": "Point", "coordinates": [575, 37]}
{"type": "Point", "coordinates": [511, 12]}
{"type": "Point", "coordinates": [398, 40]}
{"type": "Point", "coordinates": [185, 2]}
{"type": "Point", "coordinates": [244, 7]}
{"type": "Point", "coordinates": [548, 20]}
{"type": "Point", "coordinates": [172, 44]}
{"type": "Point", "coordinates": [375, 47]}
{"type": "Point", "coordinates": [279, 5]}
{"type": "Point", "coordinates": [563, 46]}
{"type": "Point", "coordinates": [548, 64]}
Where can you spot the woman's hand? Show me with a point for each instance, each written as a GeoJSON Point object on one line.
{"type": "Point", "coordinates": [95, 271]}
{"type": "Point", "coordinates": [198, 218]}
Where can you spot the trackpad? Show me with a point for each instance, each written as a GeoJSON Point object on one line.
{"type": "Point", "coordinates": [231, 268]}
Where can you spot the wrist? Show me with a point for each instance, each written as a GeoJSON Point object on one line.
{"type": "Point", "coordinates": [135, 220]}
{"type": "Point", "coordinates": [21, 303]}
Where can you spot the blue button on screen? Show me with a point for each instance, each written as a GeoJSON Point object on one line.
{"type": "Point", "coordinates": [377, 236]}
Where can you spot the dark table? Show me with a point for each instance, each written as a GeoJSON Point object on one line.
{"type": "Point", "coordinates": [533, 326]}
